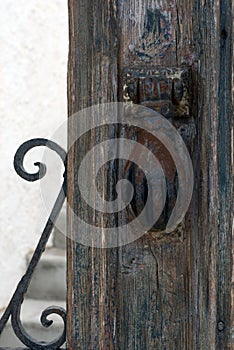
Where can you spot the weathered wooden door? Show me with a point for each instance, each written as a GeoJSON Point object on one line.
{"type": "Point", "coordinates": [163, 290]}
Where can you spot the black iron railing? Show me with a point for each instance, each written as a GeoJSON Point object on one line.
{"type": "Point", "coordinates": [13, 310]}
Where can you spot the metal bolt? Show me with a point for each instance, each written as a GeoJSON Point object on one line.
{"type": "Point", "coordinates": [166, 109]}
{"type": "Point", "coordinates": [221, 326]}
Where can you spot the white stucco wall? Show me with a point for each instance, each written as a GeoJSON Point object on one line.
{"type": "Point", "coordinates": [33, 65]}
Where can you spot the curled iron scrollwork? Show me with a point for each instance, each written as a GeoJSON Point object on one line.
{"type": "Point", "coordinates": [14, 307]}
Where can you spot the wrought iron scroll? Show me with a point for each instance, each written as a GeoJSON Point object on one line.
{"type": "Point", "coordinates": [14, 308]}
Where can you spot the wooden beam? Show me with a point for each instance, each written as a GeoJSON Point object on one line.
{"type": "Point", "coordinates": [171, 293]}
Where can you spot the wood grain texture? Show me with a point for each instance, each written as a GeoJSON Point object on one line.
{"type": "Point", "coordinates": [92, 79]}
{"type": "Point", "coordinates": [164, 292]}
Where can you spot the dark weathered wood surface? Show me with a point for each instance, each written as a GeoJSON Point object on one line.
{"type": "Point", "coordinates": [93, 78]}
{"type": "Point", "coordinates": [167, 292]}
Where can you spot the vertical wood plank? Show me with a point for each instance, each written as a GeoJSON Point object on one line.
{"type": "Point", "coordinates": [156, 274]}
{"type": "Point", "coordinates": [92, 79]}
{"type": "Point", "coordinates": [213, 173]}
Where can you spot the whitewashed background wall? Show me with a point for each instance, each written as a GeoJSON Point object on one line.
{"type": "Point", "coordinates": [33, 65]}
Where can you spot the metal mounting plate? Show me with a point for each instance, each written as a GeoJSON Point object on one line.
{"type": "Point", "coordinates": [165, 90]}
